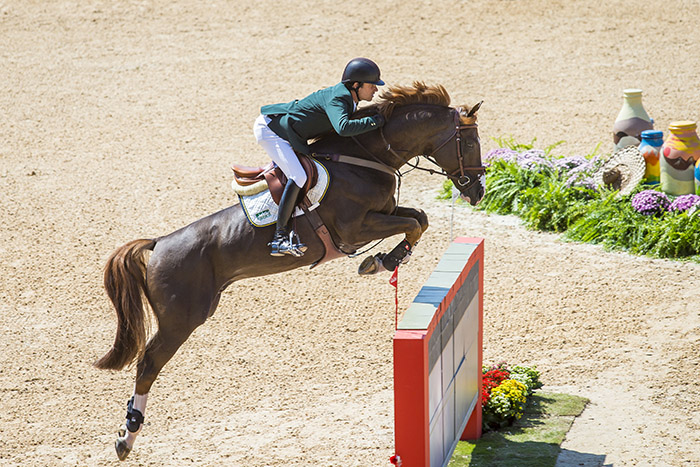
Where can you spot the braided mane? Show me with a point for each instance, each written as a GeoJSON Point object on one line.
{"type": "Point", "coordinates": [419, 93]}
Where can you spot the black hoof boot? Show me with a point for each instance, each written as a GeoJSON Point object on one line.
{"type": "Point", "coordinates": [399, 255]}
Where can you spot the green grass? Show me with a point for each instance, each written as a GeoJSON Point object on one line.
{"type": "Point", "coordinates": [533, 441]}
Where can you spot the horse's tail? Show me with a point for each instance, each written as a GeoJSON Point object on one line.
{"type": "Point", "coordinates": [125, 284]}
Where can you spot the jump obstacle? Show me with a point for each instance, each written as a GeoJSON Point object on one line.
{"type": "Point", "coordinates": [438, 359]}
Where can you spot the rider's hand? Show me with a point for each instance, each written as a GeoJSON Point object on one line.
{"type": "Point", "coordinates": [379, 120]}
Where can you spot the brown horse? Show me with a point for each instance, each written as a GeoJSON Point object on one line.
{"type": "Point", "coordinates": [189, 269]}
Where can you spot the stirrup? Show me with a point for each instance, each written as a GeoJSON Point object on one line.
{"type": "Point", "coordinates": [282, 245]}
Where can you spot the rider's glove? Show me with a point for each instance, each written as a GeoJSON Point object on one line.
{"type": "Point", "coordinates": [379, 120]}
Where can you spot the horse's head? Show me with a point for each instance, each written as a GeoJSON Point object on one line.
{"type": "Point", "coordinates": [420, 122]}
{"type": "Point", "coordinates": [456, 149]}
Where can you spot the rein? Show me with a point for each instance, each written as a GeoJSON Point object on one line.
{"type": "Point", "coordinates": [463, 180]}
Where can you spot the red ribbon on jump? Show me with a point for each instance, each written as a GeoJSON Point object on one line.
{"type": "Point", "coordinates": [394, 280]}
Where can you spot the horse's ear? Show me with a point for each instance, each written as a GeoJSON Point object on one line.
{"type": "Point", "coordinates": [474, 109]}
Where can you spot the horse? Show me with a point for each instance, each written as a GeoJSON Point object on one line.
{"type": "Point", "coordinates": [186, 271]}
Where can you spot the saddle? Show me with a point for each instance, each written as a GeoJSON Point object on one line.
{"type": "Point", "coordinates": [275, 178]}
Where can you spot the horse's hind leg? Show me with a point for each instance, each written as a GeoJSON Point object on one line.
{"type": "Point", "coordinates": [171, 334]}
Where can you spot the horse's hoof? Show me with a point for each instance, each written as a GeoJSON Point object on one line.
{"type": "Point", "coordinates": [371, 265]}
{"type": "Point", "coordinates": [122, 448]}
{"type": "Point", "coordinates": [368, 266]}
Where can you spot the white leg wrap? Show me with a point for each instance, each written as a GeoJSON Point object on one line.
{"type": "Point", "coordinates": [140, 405]}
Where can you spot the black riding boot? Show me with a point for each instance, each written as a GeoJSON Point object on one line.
{"type": "Point", "coordinates": [286, 241]}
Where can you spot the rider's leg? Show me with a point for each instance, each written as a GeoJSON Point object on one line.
{"type": "Point", "coordinates": [281, 152]}
{"type": "Point", "coordinates": [284, 243]}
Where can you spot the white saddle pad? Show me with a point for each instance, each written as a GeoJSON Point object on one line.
{"type": "Point", "coordinates": [262, 211]}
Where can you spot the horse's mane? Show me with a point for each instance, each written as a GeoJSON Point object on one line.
{"type": "Point", "coordinates": [419, 93]}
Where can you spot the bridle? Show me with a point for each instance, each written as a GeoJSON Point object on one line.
{"type": "Point", "coordinates": [464, 177]}
{"type": "Point", "coordinates": [463, 180]}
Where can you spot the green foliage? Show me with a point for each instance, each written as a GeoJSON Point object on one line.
{"type": "Point", "coordinates": [446, 192]}
{"type": "Point", "coordinates": [680, 237]}
{"type": "Point", "coordinates": [613, 223]}
{"type": "Point", "coordinates": [543, 196]}
{"type": "Point", "coordinates": [510, 143]}
{"type": "Point", "coordinates": [553, 206]}
{"type": "Point", "coordinates": [505, 184]}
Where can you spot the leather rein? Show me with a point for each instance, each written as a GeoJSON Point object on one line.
{"type": "Point", "coordinates": [463, 180]}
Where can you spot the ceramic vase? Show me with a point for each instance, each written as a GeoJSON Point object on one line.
{"type": "Point", "coordinates": [631, 120]}
{"type": "Point", "coordinates": [697, 177]}
{"type": "Point", "coordinates": [679, 155]}
{"type": "Point", "coordinates": [650, 147]}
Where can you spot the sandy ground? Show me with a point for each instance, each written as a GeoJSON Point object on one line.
{"type": "Point", "coordinates": [119, 121]}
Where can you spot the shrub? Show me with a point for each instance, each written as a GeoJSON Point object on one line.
{"type": "Point", "coordinates": [556, 193]}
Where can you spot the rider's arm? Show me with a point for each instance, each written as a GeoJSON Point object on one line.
{"type": "Point", "coordinates": [339, 115]}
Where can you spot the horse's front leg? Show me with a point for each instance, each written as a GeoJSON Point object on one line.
{"type": "Point", "coordinates": [412, 222]}
{"type": "Point", "coordinates": [417, 214]}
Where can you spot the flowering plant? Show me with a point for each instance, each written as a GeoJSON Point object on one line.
{"type": "Point", "coordinates": [555, 193]}
{"type": "Point", "coordinates": [529, 376]}
{"type": "Point", "coordinates": [504, 393]}
{"type": "Point", "coordinates": [650, 202]}
{"type": "Point", "coordinates": [685, 203]}
{"type": "Point", "coordinates": [575, 170]}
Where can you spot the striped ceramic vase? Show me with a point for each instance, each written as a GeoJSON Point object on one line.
{"type": "Point", "coordinates": [679, 155]}
{"type": "Point", "coordinates": [650, 147]}
{"type": "Point", "coordinates": [631, 120]}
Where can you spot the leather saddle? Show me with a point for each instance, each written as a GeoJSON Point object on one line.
{"type": "Point", "coordinates": [275, 178]}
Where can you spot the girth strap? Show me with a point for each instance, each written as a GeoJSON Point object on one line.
{"type": "Point", "coordinates": [331, 250]}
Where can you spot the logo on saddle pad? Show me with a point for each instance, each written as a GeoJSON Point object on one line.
{"type": "Point", "coordinates": [263, 215]}
{"type": "Point", "coordinates": [261, 210]}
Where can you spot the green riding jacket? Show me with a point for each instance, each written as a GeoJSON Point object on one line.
{"type": "Point", "coordinates": [315, 115]}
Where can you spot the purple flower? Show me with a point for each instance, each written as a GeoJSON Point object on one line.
{"type": "Point", "coordinates": [566, 164]}
{"type": "Point", "coordinates": [505, 154]}
{"type": "Point", "coordinates": [578, 170]}
{"type": "Point", "coordinates": [650, 202]}
{"type": "Point", "coordinates": [533, 159]}
{"type": "Point", "coordinates": [684, 202]}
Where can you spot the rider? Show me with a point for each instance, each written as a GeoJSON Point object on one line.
{"type": "Point", "coordinates": [282, 129]}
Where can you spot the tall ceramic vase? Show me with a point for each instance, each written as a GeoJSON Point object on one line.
{"type": "Point", "coordinates": [679, 154]}
{"type": "Point", "coordinates": [631, 120]}
{"type": "Point", "coordinates": [650, 147]}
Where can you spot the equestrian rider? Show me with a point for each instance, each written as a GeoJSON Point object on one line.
{"type": "Point", "coordinates": [282, 129]}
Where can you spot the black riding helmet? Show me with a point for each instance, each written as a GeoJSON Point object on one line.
{"type": "Point", "coordinates": [361, 70]}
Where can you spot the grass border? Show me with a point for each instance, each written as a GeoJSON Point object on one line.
{"type": "Point", "coordinates": [533, 441]}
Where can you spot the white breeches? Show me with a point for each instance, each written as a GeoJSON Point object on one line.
{"type": "Point", "coordinates": [279, 150]}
